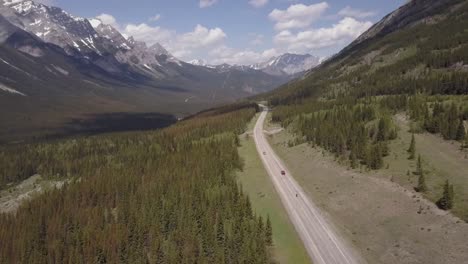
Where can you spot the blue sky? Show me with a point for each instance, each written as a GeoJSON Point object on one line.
{"type": "Point", "coordinates": [237, 31]}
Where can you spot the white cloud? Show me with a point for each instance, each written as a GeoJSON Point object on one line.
{"type": "Point", "coordinates": [148, 34]}
{"type": "Point", "coordinates": [182, 45]}
{"type": "Point", "coordinates": [356, 13]}
{"type": "Point", "coordinates": [201, 39]}
{"type": "Point", "coordinates": [228, 55]}
{"type": "Point", "coordinates": [155, 18]}
{"type": "Point", "coordinates": [338, 34]}
{"type": "Point", "coordinates": [202, 36]}
{"type": "Point", "coordinates": [295, 34]}
{"type": "Point", "coordinates": [258, 3]}
{"type": "Point", "coordinates": [207, 3]}
{"type": "Point", "coordinates": [108, 20]}
{"type": "Point", "coordinates": [298, 15]}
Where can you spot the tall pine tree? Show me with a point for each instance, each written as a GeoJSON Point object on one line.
{"type": "Point", "coordinates": [461, 131]}
{"type": "Point", "coordinates": [422, 187]}
{"type": "Point", "coordinates": [446, 201]}
{"type": "Point", "coordinates": [269, 232]}
{"type": "Point", "coordinates": [412, 148]}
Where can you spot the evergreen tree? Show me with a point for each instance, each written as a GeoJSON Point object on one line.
{"type": "Point", "coordinates": [385, 149]}
{"type": "Point", "coordinates": [375, 159]}
{"type": "Point", "coordinates": [382, 130]}
{"type": "Point", "coordinates": [422, 187]}
{"type": "Point", "coordinates": [451, 196]}
{"type": "Point", "coordinates": [461, 131]}
{"type": "Point", "coordinates": [353, 160]}
{"type": "Point", "coordinates": [236, 140]}
{"type": "Point", "coordinates": [220, 232]}
{"type": "Point", "coordinates": [446, 201]}
{"type": "Point", "coordinates": [419, 167]}
{"type": "Point", "coordinates": [269, 232]}
{"type": "Point", "coordinates": [412, 148]}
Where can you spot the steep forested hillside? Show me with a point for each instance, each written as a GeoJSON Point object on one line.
{"type": "Point", "coordinates": [428, 55]}
{"type": "Point", "coordinates": [419, 66]}
{"type": "Point", "coordinates": [413, 62]}
{"type": "Point", "coordinates": [165, 196]}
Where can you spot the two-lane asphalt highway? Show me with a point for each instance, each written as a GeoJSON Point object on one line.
{"type": "Point", "coordinates": [321, 240]}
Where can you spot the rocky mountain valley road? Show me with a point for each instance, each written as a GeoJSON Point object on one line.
{"type": "Point", "coordinates": [320, 238]}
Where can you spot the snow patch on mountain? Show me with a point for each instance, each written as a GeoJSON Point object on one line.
{"type": "Point", "coordinates": [60, 70]}
{"type": "Point", "coordinates": [14, 67]}
{"type": "Point", "coordinates": [10, 90]}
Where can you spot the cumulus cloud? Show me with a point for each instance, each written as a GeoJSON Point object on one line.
{"type": "Point", "coordinates": [207, 3]}
{"type": "Point", "coordinates": [148, 34]}
{"type": "Point", "coordinates": [108, 20]}
{"type": "Point", "coordinates": [298, 15]}
{"type": "Point", "coordinates": [258, 3]}
{"type": "Point", "coordinates": [232, 56]}
{"type": "Point", "coordinates": [356, 13]}
{"type": "Point", "coordinates": [295, 33]}
{"type": "Point", "coordinates": [338, 34]}
{"type": "Point", "coordinates": [198, 40]}
{"type": "Point", "coordinates": [181, 45]}
{"type": "Point", "coordinates": [202, 36]}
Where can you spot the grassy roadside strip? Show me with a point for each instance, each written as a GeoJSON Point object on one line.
{"type": "Point", "coordinates": [288, 247]}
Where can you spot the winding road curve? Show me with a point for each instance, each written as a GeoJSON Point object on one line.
{"type": "Point", "coordinates": [321, 240]}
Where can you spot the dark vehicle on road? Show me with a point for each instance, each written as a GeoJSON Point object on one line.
{"type": "Point", "coordinates": [283, 172]}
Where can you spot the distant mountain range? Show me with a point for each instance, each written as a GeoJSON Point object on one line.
{"type": "Point", "coordinates": [284, 65]}
{"type": "Point", "coordinates": [288, 64]}
{"type": "Point", "coordinates": [55, 67]}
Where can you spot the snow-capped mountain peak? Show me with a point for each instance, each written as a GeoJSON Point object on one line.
{"type": "Point", "coordinates": [198, 62]}
{"type": "Point", "coordinates": [283, 65]}
{"type": "Point", "coordinates": [87, 39]}
{"type": "Point", "coordinates": [159, 50]}
{"type": "Point", "coordinates": [95, 22]}
{"type": "Point", "coordinates": [53, 25]}
{"type": "Point", "coordinates": [288, 64]}
{"type": "Point", "coordinates": [110, 33]}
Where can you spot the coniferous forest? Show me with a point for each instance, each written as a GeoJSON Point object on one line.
{"type": "Point", "coordinates": [165, 196]}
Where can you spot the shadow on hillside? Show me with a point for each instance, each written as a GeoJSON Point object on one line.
{"type": "Point", "coordinates": [92, 124]}
{"type": "Point", "coordinates": [117, 122]}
